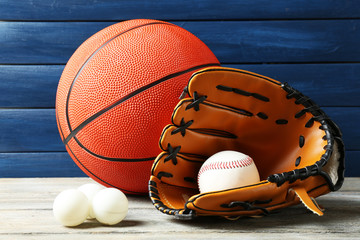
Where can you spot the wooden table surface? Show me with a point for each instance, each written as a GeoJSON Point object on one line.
{"type": "Point", "coordinates": [26, 213]}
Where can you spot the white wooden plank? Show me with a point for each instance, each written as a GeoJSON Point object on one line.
{"type": "Point", "coordinates": [39, 192]}
{"type": "Point", "coordinates": [338, 219]}
{"type": "Point", "coordinates": [55, 185]}
{"type": "Point", "coordinates": [26, 213]}
{"type": "Point", "coordinates": [184, 236]}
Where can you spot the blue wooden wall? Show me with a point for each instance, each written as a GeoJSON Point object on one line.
{"type": "Point", "coordinates": [313, 45]}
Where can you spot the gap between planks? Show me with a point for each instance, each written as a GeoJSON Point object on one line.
{"type": "Point", "coordinates": [26, 213]}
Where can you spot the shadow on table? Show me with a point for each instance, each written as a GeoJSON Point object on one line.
{"type": "Point", "coordinates": [95, 224]}
{"type": "Point", "coordinates": [337, 212]}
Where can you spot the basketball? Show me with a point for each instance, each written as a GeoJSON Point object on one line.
{"type": "Point", "coordinates": [118, 91]}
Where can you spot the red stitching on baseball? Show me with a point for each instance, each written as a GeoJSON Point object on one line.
{"type": "Point", "coordinates": [226, 165]}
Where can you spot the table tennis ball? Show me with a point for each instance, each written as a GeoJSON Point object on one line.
{"type": "Point", "coordinates": [90, 190]}
{"type": "Point", "coordinates": [71, 207]}
{"type": "Point", "coordinates": [110, 206]}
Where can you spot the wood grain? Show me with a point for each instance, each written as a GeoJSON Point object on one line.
{"type": "Point", "coordinates": [231, 41]}
{"type": "Point", "coordinates": [29, 130]}
{"type": "Point", "coordinates": [38, 164]}
{"type": "Point", "coordinates": [26, 204]}
{"type": "Point", "coordinates": [34, 130]}
{"type": "Point", "coordinates": [58, 10]}
{"type": "Point", "coordinates": [313, 45]}
{"type": "Point", "coordinates": [34, 86]}
{"type": "Point", "coordinates": [59, 164]}
{"type": "Point", "coordinates": [24, 86]}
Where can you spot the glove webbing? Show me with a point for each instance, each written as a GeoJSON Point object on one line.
{"type": "Point", "coordinates": [318, 115]}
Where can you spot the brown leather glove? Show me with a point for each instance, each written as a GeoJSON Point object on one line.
{"type": "Point", "coordinates": [297, 149]}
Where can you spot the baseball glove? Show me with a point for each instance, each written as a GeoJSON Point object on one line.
{"type": "Point", "coordinates": [297, 149]}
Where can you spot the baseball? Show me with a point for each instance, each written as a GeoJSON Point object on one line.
{"type": "Point", "coordinates": [226, 170]}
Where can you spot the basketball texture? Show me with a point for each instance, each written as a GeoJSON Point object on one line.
{"type": "Point", "coordinates": [118, 91]}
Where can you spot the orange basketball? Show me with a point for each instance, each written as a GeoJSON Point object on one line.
{"type": "Point", "coordinates": [118, 91]}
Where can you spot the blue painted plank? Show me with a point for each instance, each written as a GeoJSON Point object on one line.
{"type": "Point", "coordinates": [35, 130]}
{"type": "Point", "coordinates": [29, 130]}
{"type": "Point", "coordinates": [282, 41]}
{"type": "Point", "coordinates": [231, 41]}
{"type": "Point", "coordinates": [59, 164]}
{"type": "Point", "coordinates": [56, 164]}
{"type": "Point", "coordinates": [27, 86]}
{"type": "Point", "coordinates": [176, 10]}
{"type": "Point", "coordinates": [327, 84]}
{"type": "Point", "coordinates": [347, 118]}
{"type": "Point", "coordinates": [352, 163]}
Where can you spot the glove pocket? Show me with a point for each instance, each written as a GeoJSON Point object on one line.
{"type": "Point", "coordinates": [257, 199]}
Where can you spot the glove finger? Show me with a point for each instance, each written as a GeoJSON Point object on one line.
{"type": "Point", "coordinates": [169, 198]}
{"type": "Point", "coordinates": [212, 116]}
{"type": "Point", "coordinates": [202, 143]}
{"type": "Point", "coordinates": [255, 199]}
{"type": "Point", "coordinates": [249, 200]}
{"type": "Point", "coordinates": [177, 169]}
{"type": "Point", "coordinates": [243, 90]}
{"type": "Point", "coordinates": [215, 128]}
{"type": "Point", "coordinates": [214, 125]}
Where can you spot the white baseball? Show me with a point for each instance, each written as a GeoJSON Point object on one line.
{"type": "Point", "coordinates": [226, 170]}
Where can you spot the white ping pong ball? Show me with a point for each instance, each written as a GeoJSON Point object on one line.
{"type": "Point", "coordinates": [71, 207]}
{"type": "Point", "coordinates": [90, 190]}
{"type": "Point", "coordinates": [110, 206]}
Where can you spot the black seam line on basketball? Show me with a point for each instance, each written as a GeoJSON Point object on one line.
{"type": "Point", "coordinates": [60, 128]}
{"type": "Point", "coordinates": [91, 56]}
{"type": "Point", "coordinates": [98, 177]}
{"type": "Point", "coordinates": [57, 119]}
{"type": "Point", "coordinates": [134, 93]}
{"type": "Point", "coordinates": [114, 159]}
